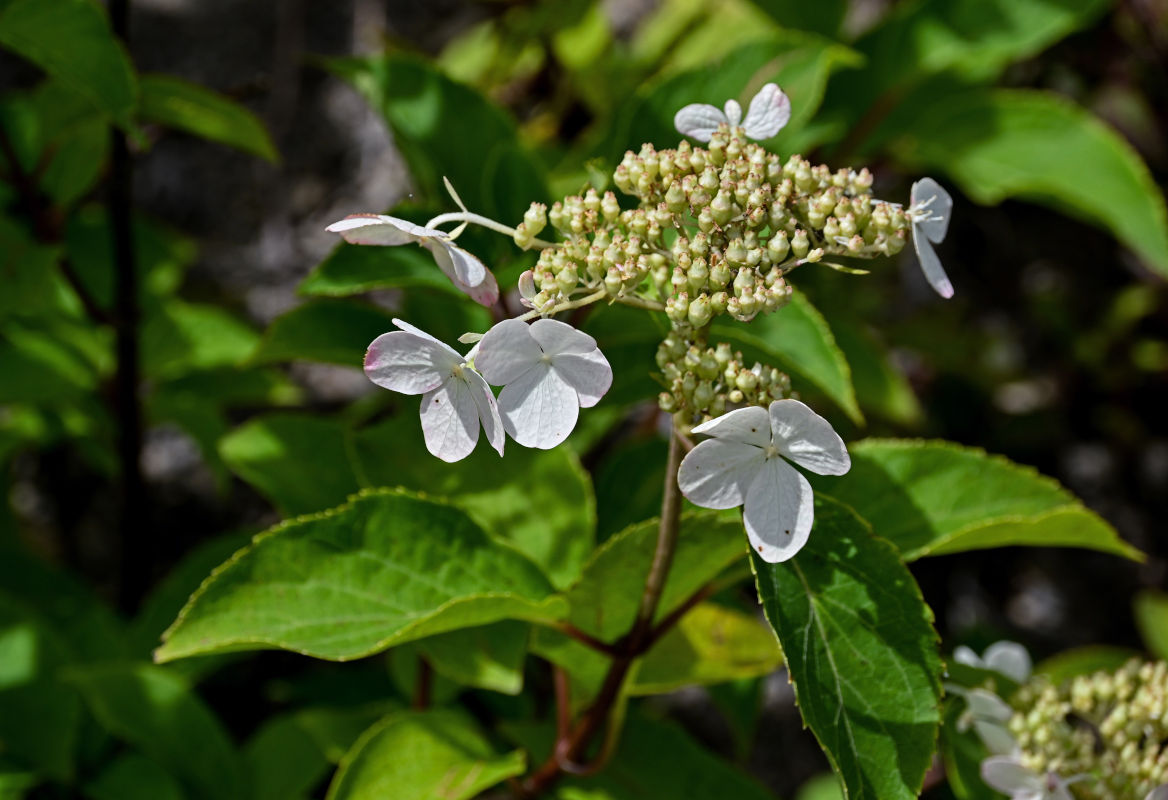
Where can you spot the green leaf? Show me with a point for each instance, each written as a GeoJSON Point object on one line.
{"type": "Point", "coordinates": [422, 755]}
{"type": "Point", "coordinates": [28, 272]}
{"type": "Point", "coordinates": [963, 752]}
{"type": "Point", "coordinates": [134, 777]}
{"type": "Point", "coordinates": [387, 567]}
{"type": "Point", "coordinates": [823, 17]}
{"type": "Point", "coordinates": [355, 269]}
{"type": "Point", "coordinates": [291, 754]}
{"type": "Point", "coordinates": [998, 144]}
{"type": "Point", "coordinates": [156, 712]}
{"type": "Point", "coordinates": [71, 41]}
{"type": "Point", "coordinates": [329, 331]}
{"type": "Point", "coordinates": [487, 657]}
{"type": "Point", "coordinates": [1068, 664]}
{"type": "Point", "coordinates": [880, 387]}
{"type": "Point", "coordinates": [1151, 611]}
{"type": "Point", "coordinates": [179, 337]}
{"type": "Point", "coordinates": [797, 339]}
{"type": "Point", "coordinates": [861, 652]}
{"type": "Point", "coordinates": [822, 787]}
{"type": "Point", "coordinates": [604, 601]}
{"type": "Point", "coordinates": [711, 644]}
{"type": "Point", "coordinates": [932, 498]}
{"type": "Point", "coordinates": [195, 109]}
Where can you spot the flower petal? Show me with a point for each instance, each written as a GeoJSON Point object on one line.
{"type": "Point", "coordinates": [986, 705]}
{"type": "Point", "coordinates": [380, 229]}
{"type": "Point", "coordinates": [807, 438]}
{"type": "Point", "coordinates": [931, 264]}
{"type": "Point", "coordinates": [936, 202]}
{"type": "Point", "coordinates": [488, 409]}
{"type": "Point", "coordinates": [538, 408]}
{"type": "Point", "coordinates": [995, 736]}
{"type": "Point", "coordinates": [749, 425]}
{"type": "Point", "coordinates": [485, 294]}
{"type": "Point", "coordinates": [733, 112]}
{"type": "Point", "coordinates": [556, 337]}
{"type": "Point", "coordinates": [966, 656]}
{"type": "Point", "coordinates": [698, 121]}
{"type": "Point", "coordinates": [588, 373]}
{"type": "Point", "coordinates": [410, 364]}
{"type": "Point", "coordinates": [770, 111]}
{"type": "Point", "coordinates": [1006, 775]}
{"type": "Point", "coordinates": [464, 270]}
{"type": "Point", "coordinates": [450, 420]}
{"type": "Point", "coordinates": [779, 511]}
{"type": "Point", "coordinates": [408, 328]}
{"type": "Point", "coordinates": [507, 351]}
{"type": "Point", "coordinates": [1009, 658]}
{"type": "Point", "coordinates": [717, 473]}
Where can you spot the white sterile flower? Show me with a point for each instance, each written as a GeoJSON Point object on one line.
{"type": "Point", "coordinates": [548, 371]}
{"type": "Point", "coordinates": [929, 214]}
{"type": "Point", "coordinates": [466, 272]}
{"type": "Point", "coordinates": [988, 715]}
{"type": "Point", "coordinates": [1008, 658]}
{"type": "Point", "coordinates": [1007, 775]}
{"type": "Point", "coordinates": [456, 400]}
{"type": "Point", "coordinates": [769, 111]}
{"type": "Point", "coordinates": [744, 465]}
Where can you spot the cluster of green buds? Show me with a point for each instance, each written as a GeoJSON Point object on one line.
{"type": "Point", "coordinates": [702, 380]}
{"type": "Point", "coordinates": [1109, 728]}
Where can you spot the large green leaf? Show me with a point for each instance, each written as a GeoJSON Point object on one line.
{"type": "Point", "coordinates": [71, 41]}
{"type": "Point", "coordinates": [134, 777]}
{"type": "Point", "coordinates": [292, 753]}
{"type": "Point", "coordinates": [179, 337]}
{"type": "Point", "coordinates": [157, 712]}
{"type": "Point", "coordinates": [823, 17]}
{"type": "Point", "coordinates": [28, 270]}
{"type": "Point", "coordinates": [420, 756]}
{"type": "Point", "coordinates": [387, 567]}
{"type": "Point", "coordinates": [931, 498]}
{"type": "Point", "coordinates": [192, 108]}
{"type": "Point", "coordinates": [798, 339]}
{"type": "Point", "coordinates": [861, 651]}
{"type": "Point", "coordinates": [604, 601]}
{"type": "Point", "coordinates": [330, 331]}
{"type": "Point", "coordinates": [998, 144]}
{"type": "Point", "coordinates": [487, 657]}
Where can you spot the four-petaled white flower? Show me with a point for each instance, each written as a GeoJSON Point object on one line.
{"type": "Point", "coordinates": [1006, 774]}
{"type": "Point", "coordinates": [456, 400]}
{"type": "Point", "coordinates": [1008, 658]}
{"type": "Point", "coordinates": [464, 270]}
{"type": "Point", "coordinates": [769, 111]}
{"type": "Point", "coordinates": [743, 465]}
{"type": "Point", "coordinates": [929, 215]}
{"type": "Point", "coordinates": [548, 371]}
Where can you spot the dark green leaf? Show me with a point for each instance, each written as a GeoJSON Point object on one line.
{"type": "Point", "coordinates": [931, 498]}
{"type": "Point", "coordinates": [1151, 610]}
{"type": "Point", "coordinates": [192, 108]}
{"type": "Point", "coordinates": [861, 652]}
{"type": "Point", "coordinates": [355, 269]}
{"type": "Point", "coordinates": [330, 331]}
{"type": "Point", "coordinates": [134, 777]}
{"type": "Point", "coordinates": [487, 657]}
{"type": "Point", "coordinates": [1068, 664]}
{"type": "Point", "coordinates": [963, 753]}
{"type": "Point", "coordinates": [823, 17]}
{"type": "Point", "coordinates": [385, 568]}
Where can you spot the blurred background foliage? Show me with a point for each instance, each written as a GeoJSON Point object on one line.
{"type": "Point", "coordinates": [166, 171]}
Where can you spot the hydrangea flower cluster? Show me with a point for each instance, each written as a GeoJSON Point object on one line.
{"type": "Point", "coordinates": [714, 232]}
{"type": "Point", "coordinates": [1097, 737]}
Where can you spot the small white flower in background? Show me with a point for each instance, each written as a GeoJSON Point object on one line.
{"type": "Point", "coordinates": [744, 465]}
{"type": "Point", "coordinates": [1007, 775]}
{"type": "Point", "coordinates": [456, 400]}
{"type": "Point", "coordinates": [1008, 658]}
{"type": "Point", "coordinates": [464, 270]}
{"type": "Point", "coordinates": [988, 715]}
{"type": "Point", "coordinates": [769, 111]}
{"type": "Point", "coordinates": [929, 214]}
{"type": "Point", "coordinates": [548, 371]}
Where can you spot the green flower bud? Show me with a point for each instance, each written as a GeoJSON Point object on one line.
{"type": "Point", "coordinates": [675, 198]}
{"type": "Point", "coordinates": [699, 311]}
{"type": "Point", "coordinates": [697, 274]}
{"type": "Point", "coordinates": [667, 403]}
{"type": "Point", "coordinates": [799, 244]}
{"type": "Point", "coordinates": [778, 247]}
{"type": "Point", "coordinates": [722, 207]}
{"type": "Point", "coordinates": [720, 273]}
{"type": "Point", "coordinates": [703, 395]}
{"type": "Point", "coordinates": [718, 302]}
{"type": "Point", "coordinates": [706, 221]}
{"type": "Point", "coordinates": [609, 206]}
{"type": "Point", "coordinates": [613, 281]}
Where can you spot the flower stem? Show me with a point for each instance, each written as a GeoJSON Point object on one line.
{"type": "Point", "coordinates": [484, 222]}
{"type": "Point", "coordinates": [572, 748]}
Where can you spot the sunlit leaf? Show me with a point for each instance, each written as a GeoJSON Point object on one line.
{"type": "Point", "coordinates": [195, 109]}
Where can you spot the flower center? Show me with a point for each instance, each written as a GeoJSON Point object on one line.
{"type": "Point", "coordinates": [771, 452]}
{"type": "Point", "coordinates": [545, 359]}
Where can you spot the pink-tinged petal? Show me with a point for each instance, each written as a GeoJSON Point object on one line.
{"type": "Point", "coordinates": [931, 264]}
{"type": "Point", "coordinates": [770, 111]}
{"type": "Point", "coordinates": [733, 112]}
{"type": "Point", "coordinates": [556, 337]}
{"type": "Point", "coordinates": [539, 409]}
{"type": "Point", "coordinates": [932, 198]}
{"type": "Point", "coordinates": [450, 420]}
{"type": "Point", "coordinates": [507, 351]}
{"type": "Point", "coordinates": [778, 512]}
{"type": "Point", "coordinates": [379, 229]}
{"type": "Point", "coordinates": [421, 334]}
{"type": "Point", "coordinates": [588, 373]}
{"type": "Point", "coordinates": [485, 294]}
{"type": "Point", "coordinates": [807, 438]}
{"type": "Point", "coordinates": [1007, 775]}
{"type": "Point", "coordinates": [1009, 658]}
{"type": "Point", "coordinates": [717, 473]}
{"type": "Point", "coordinates": [698, 121]}
{"type": "Point", "coordinates": [488, 409]}
{"type": "Point", "coordinates": [749, 425]}
{"type": "Point", "coordinates": [403, 362]}
{"type": "Point", "coordinates": [458, 264]}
